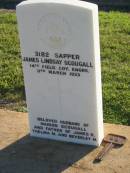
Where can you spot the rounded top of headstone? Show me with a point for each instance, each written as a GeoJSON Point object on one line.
{"type": "Point", "coordinates": [78, 3]}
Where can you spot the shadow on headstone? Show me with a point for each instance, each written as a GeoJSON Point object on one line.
{"type": "Point", "coordinates": [33, 155]}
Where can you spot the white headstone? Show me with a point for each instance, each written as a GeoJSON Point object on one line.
{"type": "Point", "coordinates": [61, 63]}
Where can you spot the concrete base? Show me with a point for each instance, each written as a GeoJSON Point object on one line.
{"type": "Point", "coordinates": [22, 154]}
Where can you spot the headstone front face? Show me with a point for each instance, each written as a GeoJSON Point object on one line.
{"type": "Point", "coordinates": [61, 64]}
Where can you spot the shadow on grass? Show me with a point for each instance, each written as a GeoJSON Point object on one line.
{"type": "Point", "coordinates": [33, 155]}
{"type": "Point", "coordinates": [13, 99]}
{"type": "Point", "coordinates": [11, 94]}
{"type": "Point", "coordinates": [9, 4]}
{"type": "Point", "coordinates": [108, 8]}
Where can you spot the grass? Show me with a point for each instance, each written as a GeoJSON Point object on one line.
{"type": "Point", "coordinates": [115, 57]}
{"type": "Point", "coordinates": [11, 77]}
{"type": "Point", "coordinates": [115, 53]}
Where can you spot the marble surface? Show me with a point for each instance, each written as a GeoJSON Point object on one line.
{"type": "Point", "coordinates": [61, 64]}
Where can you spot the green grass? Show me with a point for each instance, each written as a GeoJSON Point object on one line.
{"type": "Point", "coordinates": [115, 56]}
{"type": "Point", "coordinates": [11, 78]}
{"type": "Point", "coordinates": [115, 53]}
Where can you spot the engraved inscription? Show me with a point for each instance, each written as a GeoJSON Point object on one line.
{"type": "Point", "coordinates": [54, 30]}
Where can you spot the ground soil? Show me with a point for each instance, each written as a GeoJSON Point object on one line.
{"type": "Point", "coordinates": [22, 154]}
